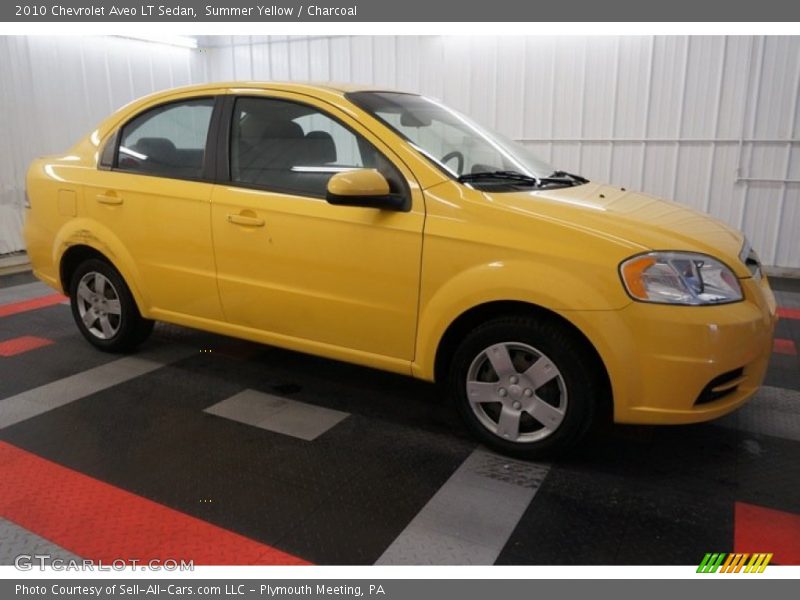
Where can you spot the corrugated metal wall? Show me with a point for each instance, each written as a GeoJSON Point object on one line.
{"type": "Point", "coordinates": [710, 121]}
{"type": "Point", "coordinates": [53, 90]}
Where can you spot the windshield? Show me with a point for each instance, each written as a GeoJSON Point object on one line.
{"type": "Point", "coordinates": [453, 142]}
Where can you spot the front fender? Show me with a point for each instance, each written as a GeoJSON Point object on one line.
{"type": "Point", "coordinates": [86, 232]}
{"type": "Point", "coordinates": [557, 289]}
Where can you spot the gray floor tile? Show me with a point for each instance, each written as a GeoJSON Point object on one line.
{"type": "Point", "coordinates": [482, 468]}
{"type": "Point", "coordinates": [471, 517]}
{"type": "Point", "coordinates": [248, 406]}
{"type": "Point", "coordinates": [304, 421]}
{"type": "Point", "coordinates": [278, 414]}
{"type": "Point", "coordinates": [15, 540]}
{"type": "Point", "coordinates": [787, 299]}
{"type": "Point", "coordinates": [26, 291]}
{"type": "Point", "coordinates": [16, 409]}
{"type": "Point", "coordinates": [419, 545]}
{"type": "Point", "coordinates": [472, 514]}
{"type": "Point", "coordinates": [36, 401]}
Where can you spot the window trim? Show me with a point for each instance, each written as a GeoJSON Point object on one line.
{"type": "Point", "coordinates": [106, 162]}
{"type": "Point", "coordinates": [223, 165]}
{"type": "Point", "coordinates": [209, 152]}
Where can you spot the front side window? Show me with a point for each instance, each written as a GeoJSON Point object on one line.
{"type": "Point", "coordinates": [167, 141]}
{"type": "Point", "coordinates": [294, 148]}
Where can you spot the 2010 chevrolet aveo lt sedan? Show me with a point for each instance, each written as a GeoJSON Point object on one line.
{"type": "Point", "coordinates": [385, 229]}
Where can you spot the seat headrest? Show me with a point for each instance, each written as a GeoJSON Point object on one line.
{"type": "Point", "coordinates": [283, 130]}
{"type": "Point", "coordinates": [159, 150]}
{"type": "Point", "coordinates": [320, 148]}
{"type": "Point", "coordinates": [257, 128]}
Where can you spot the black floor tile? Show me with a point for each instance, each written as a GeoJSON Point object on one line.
{"type": "Point", "coordinates": [637, 495]}
{"type": "Point", "coordinates": [341, 535]}
{"type": "Point", "coordinates": [69, 356]}
{"type": "Point", "coordinates": [571, 521]}
{"type": "Point", "coordinates": [13, 279]}
{"type": "Point", "coordinates": [672, 527]}
{"type": "Point", "coordinates": [768, 472]}
{"type": "Point", "coordinates": [785, 284]}
{"type": "Point", "coordinates": [783, 373]}
{"type": "Point", "coordinates": [786, 329]}
{"type": "Point", "coordinates": [150, 436]}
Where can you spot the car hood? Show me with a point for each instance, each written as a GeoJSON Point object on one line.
{"type": "Point", "coordinates": [643, 220]}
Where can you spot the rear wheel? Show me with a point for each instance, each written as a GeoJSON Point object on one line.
{"type": "Point", "coordinates": [104, 309]}
{"type": "Point", "coordinates": [525, 386]}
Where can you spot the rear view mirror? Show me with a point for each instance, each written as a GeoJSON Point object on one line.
{"type": "Point", "coordinates": [409, 119]}
{"type": "Point", "coordinates": [366, 188]}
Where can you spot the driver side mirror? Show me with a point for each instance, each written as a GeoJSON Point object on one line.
{"type": "Point", "coordinates": [366, 188]}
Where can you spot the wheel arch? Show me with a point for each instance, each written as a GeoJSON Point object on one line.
{"type": "Point", "coordinates": [76, 254]}
{"type": "Point", "coordinates": [481, 313]}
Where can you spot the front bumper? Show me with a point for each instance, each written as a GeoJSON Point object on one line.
{"type": "Point", "coordinates": [682, 364]}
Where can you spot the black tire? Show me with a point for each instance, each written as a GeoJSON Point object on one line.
{"type": "Point", "coordinates": [129, 327]}
{"type": "Point", "coordinates": [578, 387]}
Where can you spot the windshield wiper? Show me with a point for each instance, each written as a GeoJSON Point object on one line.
{"type": "Point", "coordinates": [515, 176]}
{"type": "Point", "coordinates": [557, 177]}
{"type": "Point", "coordinates": [562, 174]}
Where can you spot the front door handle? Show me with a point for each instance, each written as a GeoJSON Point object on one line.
{"type": "Point", "coordinates": [246, 221]}
{"type": "Point", "coordinates": [109, 198]}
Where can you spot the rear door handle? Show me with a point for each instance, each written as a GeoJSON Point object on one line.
{"type": "Point", "coordinates": [109, 198]}
{"type": "Point", "coordinates": [245, 220]}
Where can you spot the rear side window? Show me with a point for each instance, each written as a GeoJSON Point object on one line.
{"type": "Point", "coordinates": [294, 148]}
{"type": "Point", "coordinates": [167, 141]}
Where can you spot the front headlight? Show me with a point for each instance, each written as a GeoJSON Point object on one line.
{"type": "Point", "coordinates": [679, 278]}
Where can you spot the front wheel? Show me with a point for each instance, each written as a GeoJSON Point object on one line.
{"type": "Point", "coordinates": [525, 386]}
{"type": "Point", "coordinates": [104, 309]}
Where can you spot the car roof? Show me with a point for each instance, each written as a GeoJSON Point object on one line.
{"type": "Point", "coordinates": [288, 86]}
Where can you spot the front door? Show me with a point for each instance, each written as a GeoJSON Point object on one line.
{"type": "Point", "coordinates": [333, 279]}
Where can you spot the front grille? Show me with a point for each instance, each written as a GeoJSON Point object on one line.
{"type": "Point", "coordinates": [721, 386]}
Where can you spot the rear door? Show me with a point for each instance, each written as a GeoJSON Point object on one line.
{"type": "Point", "coordinates": [155, 196]}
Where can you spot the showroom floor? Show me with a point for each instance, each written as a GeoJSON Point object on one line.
{"type": "Point", "coordinates": [207, 448]}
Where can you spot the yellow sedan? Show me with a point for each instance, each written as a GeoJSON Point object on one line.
{"type": "Point", "coordinates": [388, 230]}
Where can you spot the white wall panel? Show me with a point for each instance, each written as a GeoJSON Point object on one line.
{"type": "Point", "coordinates": [53, 90]}
{"type": "Point", "coordinates": [510, 95]}
{"type": "Point", "coordinates": [319, 60]}
{"type": "Point", "coordinates": [408, 74]}
{"type": "Point", "coordinates": [712, 122]}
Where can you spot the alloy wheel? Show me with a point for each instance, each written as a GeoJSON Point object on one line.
{"type": "Point", "coordinates": [99, 306]}
{"type": "Point", "coordinates": [516, 392]}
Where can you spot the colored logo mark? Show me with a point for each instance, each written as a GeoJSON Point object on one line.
{"type": "Point", "coordinates": [734, 563]}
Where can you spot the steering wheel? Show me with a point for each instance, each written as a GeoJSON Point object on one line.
{"type": "Point", "coordinates": [451, 156]}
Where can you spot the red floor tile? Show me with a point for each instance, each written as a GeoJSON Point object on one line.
{"type": "Point", "coordinates": [98, 521]}
{"type": "Point", "coordinates": [758, 529]}
{"type": "Point", "coordinates": [22, 344]}
{"type": "Point", "coordinates": [781, 346]}
{"type": "Point", "coordinates": [25, 305]}
{"type": "Point", "coordinates": [789, 313]}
